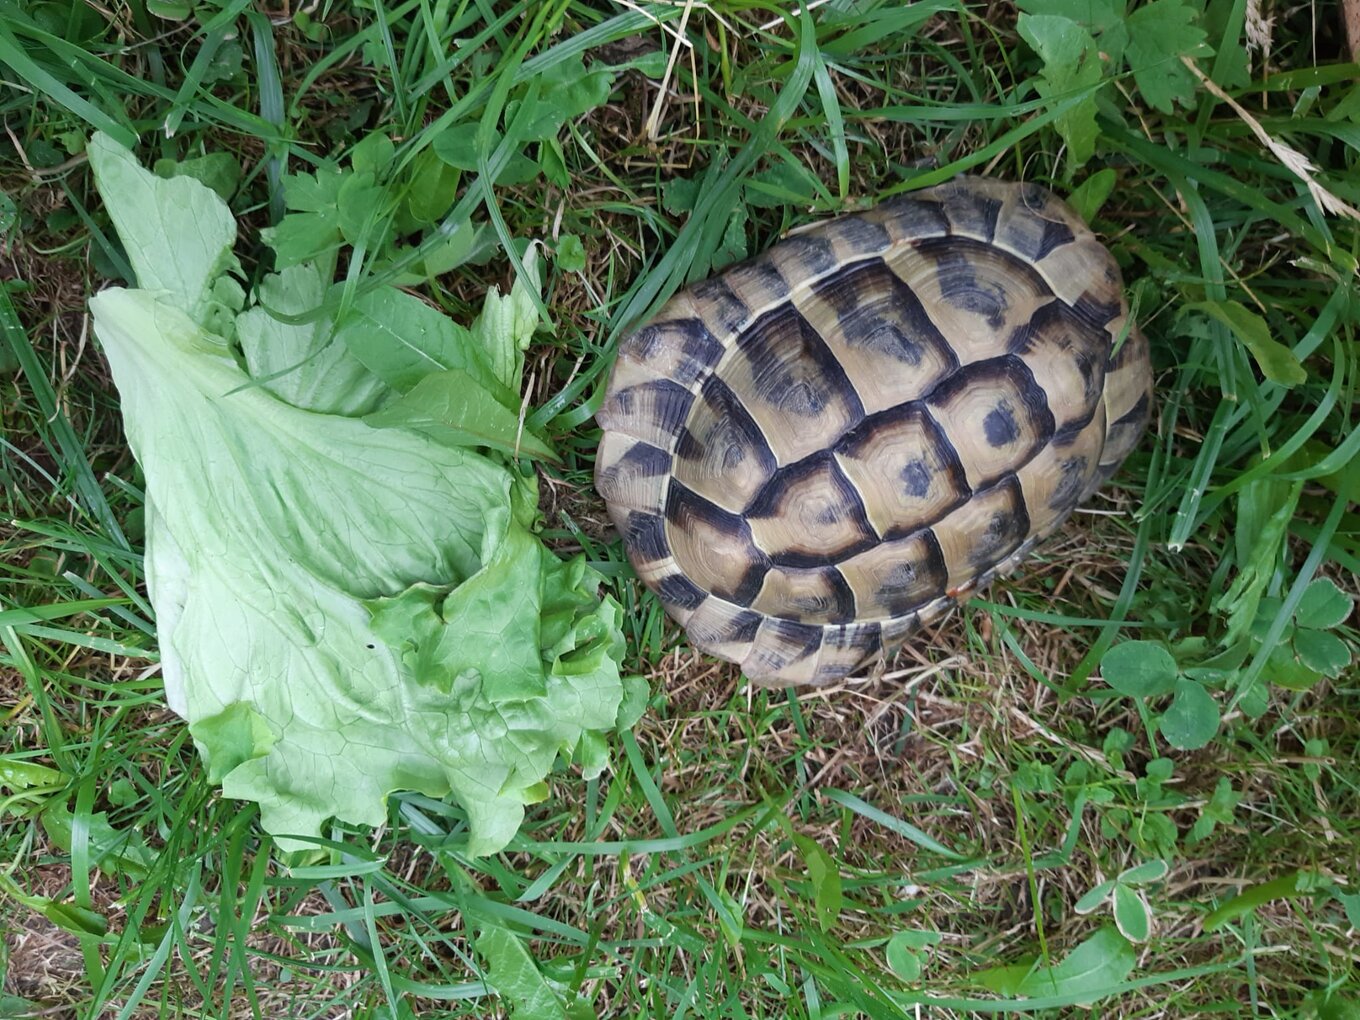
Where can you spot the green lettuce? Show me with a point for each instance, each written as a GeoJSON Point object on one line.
{"type": "Point", "coordinates": [350, 600]}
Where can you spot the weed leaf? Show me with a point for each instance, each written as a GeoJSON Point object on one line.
{"type": "Point", "coordinates": [1071, 64]}
{"type": "Point", "coordinates": [1286, 887]}
{"type": "Point", "coordinates": [1323, 605]}
{"type": "Point", "coordinates": [1088, 197]}
{"type": "Point", "coordinates": [401, 340]}
{"type": "Point", "coordinates": [1192, 719]}
{"type": "Point", "coordinates": [453, 408]}
{"type": "Point", "coordinates": [1278, 363]}
{"type": "Point", "coordinates": [1131, 914]}
{"type": "Point", "coordinates": [1160, 33]}
{"type": "Point", "coordinates": [902, 957]}
{"type": "Point", "coordinates": [1140, 669]}
{"type": "Point", "coordinates": [1142, 874]}
{"type": "Point", "coordinates": [1092, 970]}
{"type": "Point", "coordinates": [1321, 652]}
{"type": "Point", "coordinates": [511, 971]}
{"type": "Point", "coordinates": [1094, 897]}
{"type": "Point", "coordinates": [825, 878]}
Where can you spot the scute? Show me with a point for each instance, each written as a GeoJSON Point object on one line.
{"type": "Point", "coordinates": [983, 532]}
{"type": "Point", "coordinates": [791, 384]}
{"type": "Point", "coordinates": [680, 349]}
{"type": "Point", "coordinates": [905, 468]}
{"type": "Point", "coordinates": [994, 415]}
{"type": "Point", "coordinates": [712, 547]}
{"type": "Point", "coordinates": [720, 452]}
{"type": "Point", "coordinates": [1060, 475]}
{"type": "Point", "coordinates": [976, 294]}
{"type": "Point", "coordinates": [879, 333]}
{"type": "Point", "coordinates": [814, 454]}
{"type": "Point", "coordinates": [809, 594]}
{"type": "Point", "coordinates": [810, 514]}
{"type": "Point", "coordinates": [636, 475]}
{"type": "Point", "coordinates": [898, 577]}
{"type": "Point", "coordinates": [1066, 356]}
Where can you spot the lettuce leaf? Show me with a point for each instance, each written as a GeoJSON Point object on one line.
{"type": "Point", "coordinates": [343, 610]}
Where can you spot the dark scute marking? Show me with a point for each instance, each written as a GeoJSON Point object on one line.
{"type": "Point", "coordinates": [1067, 493]}
{"type": "Point", "coordinates": [960, 286]}
{"type": "Point", "coordinates": [857, 233]}
{"type": "Point", "coordinates": [865, 639]}
{"type": "Point", "coordinates": [772, 500]}
{"type": "Point", "coordinates": [679, 591]}
{"type": "Point", "coordinates": [840, 608]}
{"type": "Point", "coordinates": [699, 349]}
{"type": "Point", "coordinates": [749, 586]}
{"type": "Point", "coordinates": [864, 326]}
{"type": "Point", "coordinates": [741, 628]}
{"type": "Point", "coordinates": [954, 258]}
{"type": "Point", "coordinates": [915, 217]}
{"type": "Point", "coordinates": [768, 274]}
{"type": "Point", "coordinates": [886, 337]}
{"type": "Point", "coordinates": [1097, 313]}
{"type": "Point", "coordinates": [916, 478]}
{"type": "Point", "coordinates": [900, 589]}
{"type": "Point", "coordinates": [970, 250]}
{"type": "Point", "coordinates": [1033, 197]}
{"type": "Point", "coordinates": [1103, 475]}
{"type": "Point", "coordinates": [682, 503]}
{"type": "Point", "coordinates": [687, 447]}
{"type": "Point", "coordinates": [647, 537]}
{"type": "Point", "coordinates": [935, 557]}
{"type": "Point", "coordinates": [1000, 426]}
{"type": "Point", "coordinates": [1030, 231]}
{"type": "Point", "coordinates": [1067, 435]}
{"type": "Point", "coordinates": [910, 585]}
{"type": "Point", "coordinates": [1017, 373]}
{"type": "Point", "coordinates": [844, 609]}
{"type": "Point", "coordinates": [803, 400]}
{"type": "Point", "coordinates": [670, 401]}
{"type": "Point", "coordinates": [1006, 529]}
{"type": "Point", "coordinates": [971, 212]}
{"type": "Point", "coordinates": [1056, 234]}
{"type": "Point", "coordinates": [1092, 379]}
{"type": "Point", "coordinates": [725, 311]}
{"type": "Point", "coordinates": [845, 598]}
{"type": "Point", "coordinates": [1122, 436]}
{"type": "Point", "coordinates": [1132, 348]}
{"type": "Point", "coordinates": [813, 252]}
{"type": "Point", "coordinates": [766, 344]}
{"type": "Point", "coordinates": [1135, 414]}
{"type": "Point", "coordinates": [745, 435]}
{"type": "Point", "coordinates": [643, 460]}
{"type": "Point", "coordinates": [1086, 347]}
{"type": "Point", "coordinates": [842, 290]}
{"type": "Point", "coordinates": [803, 638]}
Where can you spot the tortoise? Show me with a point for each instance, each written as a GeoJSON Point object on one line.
{"type": "Point", "coordinates": [817, 452]}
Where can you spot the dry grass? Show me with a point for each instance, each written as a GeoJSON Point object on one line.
{"type": "Point", "coordinates": [953, 737]}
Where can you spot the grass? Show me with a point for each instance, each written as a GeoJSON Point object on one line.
{"type": "Point", "coordinates": [882, 849]}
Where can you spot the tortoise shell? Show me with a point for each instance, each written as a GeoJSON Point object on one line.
{"type": "Point", "coordinates": [817, 452]}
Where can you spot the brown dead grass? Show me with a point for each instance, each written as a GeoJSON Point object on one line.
{"type": "Point", "coordinates": [950, 709]}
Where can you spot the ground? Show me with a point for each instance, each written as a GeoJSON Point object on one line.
{"type": "Point", "coordinates": [880, 848]}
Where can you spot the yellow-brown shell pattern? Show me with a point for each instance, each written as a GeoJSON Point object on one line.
{"type": "Point", "coordinates": [817, 452]}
